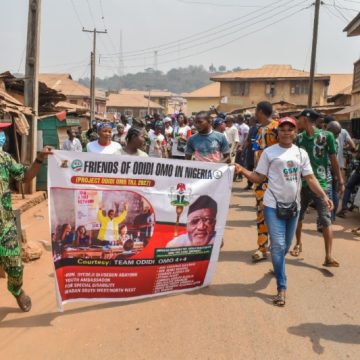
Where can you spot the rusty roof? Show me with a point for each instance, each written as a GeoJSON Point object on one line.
{"type": "Point", "coordinates": [340, 84]}
{"type": "Point", "coordinates": [278, 72]}
{"type": "Point", "coordinates": [130, 101]}
{"type": "Point", "coordinates": [153, 93]}
{"type": "Point", "coordinates": [65, 84]}
{"type": "Point", "coordinates": [208, 91]}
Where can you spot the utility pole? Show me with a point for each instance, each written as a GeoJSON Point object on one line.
{"type": "Point", "coordinates": [155, 60]}
{"type": "Point", "coordinates": [93, 72]}
{"type": "Point", "coordinates": [31, 85]}
{"type": "Point", "coordinates": [313, 52]}
{"type": "Point", "coordinates": [148, 110]}
{"type": "Point", "coordinates": [121, 58]}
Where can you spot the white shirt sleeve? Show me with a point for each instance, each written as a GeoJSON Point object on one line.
{"type": "Point", "coordinates": [263, 164]}
{"type": "Point", "coordinates": [306, 168]}
{"type": "Point", "coordinates": [236, 135]}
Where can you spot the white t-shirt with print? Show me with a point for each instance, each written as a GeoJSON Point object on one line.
{"type": "Point", "coordinates": [343, 138]}
{"type": "Point", "coordinates": [232, 135]}
{"type": "Point", "coordinates": [185, 133]}
{"type": "Point", "coordinates": [243, 133]}
{"type": "Point", "coordinates": [157, 142]}
{"type": "Point", "coordinates": [283, 168]}
{"type": "Point", "coordinates": [95, 147]}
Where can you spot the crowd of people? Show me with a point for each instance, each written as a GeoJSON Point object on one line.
{"type": "Point", "coordinates": [290, 162]}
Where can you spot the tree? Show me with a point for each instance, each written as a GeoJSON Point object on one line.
{"type": "Point", "coordinates": [212, 68]}
{"type": "Point", "coordinates": [222, 68]}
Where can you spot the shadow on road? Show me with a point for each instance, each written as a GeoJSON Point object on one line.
{"type": "Point", "coordinates": [240, 223]}
{"type": "Point", "coordinates": [239, 290]}
{"type": "Point", "coordinates": [347, 334]}
{"type": "Point", "coordinates": [242, 256]}
{"type": "Point", "coordinates": [299, 262]}
{"type": "Point", "coordinates": [43, 320]}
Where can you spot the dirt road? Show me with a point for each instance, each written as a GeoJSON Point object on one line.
{"type": "Point", "coordinates": [232, 319]}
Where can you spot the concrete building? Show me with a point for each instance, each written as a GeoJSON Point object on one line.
{"type": "Point", "coordinates": [274, 83]}
{"type": "Point", "coordinates": [203, 98]}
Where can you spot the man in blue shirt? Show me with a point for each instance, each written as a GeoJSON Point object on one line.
{"type": "Point", "coordinates": [207, 145]}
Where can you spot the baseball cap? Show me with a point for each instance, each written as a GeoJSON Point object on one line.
{"type": "Point", "coordinates": [328, 119]}
{"type": "Point", "coordinates": [309, 113]}
{"type": "Point", "coordinates": [222, 115]}
{"type": "Point", "coordinates": [287, 120]}
{"type": "Point", "coordinates": [167, 119]}
{"type": "Point", "coordinates": [158, 124]}
{"type": "Point", "coordinates": [218, 122]}
{"type": "Point", "coordinates": [138, 122]}
{"type": "Point", "coordinates": [4, 125]}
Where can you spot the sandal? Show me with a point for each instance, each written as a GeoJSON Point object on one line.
{"type": "Point", "coordinates": [296, 251]}
{"type": "Point", "coordinates": [24, 301]}
{"type": "Point", "coordinates": [331, 263]}
{"type": "Point", "coordinates": [259, 255]}
{"type": "Point", "coordinates": [279, 299]}
{"type": "Point", "coordinates": [356, 231]}
{"type": "Point", "coordinates": [341, 214]}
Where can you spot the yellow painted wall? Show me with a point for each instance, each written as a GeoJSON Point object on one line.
{"type": "Point", "coordinates": [282, 93]}
{"type": "Point", "coordinates": [198, 104]}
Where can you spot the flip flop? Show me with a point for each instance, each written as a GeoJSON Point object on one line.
{"type": "Point", "coordinates": [24, 301]}
{"type": "Point", "coordinates": [279, 300]}
{"type": "Point", "coordinates": [331, 263]}
{"type": "Point", "coordinates": [258, 256]}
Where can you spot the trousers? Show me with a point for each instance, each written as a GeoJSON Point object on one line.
{"type": "Point", "coordinates": [14, 269]}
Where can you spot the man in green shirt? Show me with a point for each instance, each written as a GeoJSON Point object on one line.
{"type": "Point", "coordinates": [321, 147]}
{"type": "Point", "coordinates": [10, 257]}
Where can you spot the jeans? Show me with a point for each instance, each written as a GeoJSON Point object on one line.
{"type": "Point", "coordinates": [281, 233]}
{"type": "Point", "coordinates": [350, 185]}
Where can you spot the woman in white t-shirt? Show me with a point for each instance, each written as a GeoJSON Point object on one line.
{"type": "Point", "coordinates": [283, 165]}
{"type": "Point", "coordinates": [104, 145]}
{"type": "Point", "coordinates": [157, 143]}
{"type": "Point", "coordinates": [182, 133]}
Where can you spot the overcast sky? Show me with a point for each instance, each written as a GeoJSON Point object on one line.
{"type": "Point", "coordinates": [245, 33]}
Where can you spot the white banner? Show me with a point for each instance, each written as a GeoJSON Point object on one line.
{"type": "Point", "coordinates": [126, 227]}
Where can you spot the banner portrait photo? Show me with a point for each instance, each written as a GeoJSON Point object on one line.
{"type": "Point", "coordinates": [126, 227]}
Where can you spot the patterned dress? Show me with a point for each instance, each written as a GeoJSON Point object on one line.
{"type": "Point", "coordinates": [10, 257]}
{"type": "Point", "coordinates": [266, 136]}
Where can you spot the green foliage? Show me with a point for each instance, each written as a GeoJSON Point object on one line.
{"type": "Point", "coordinates": [175, 80]}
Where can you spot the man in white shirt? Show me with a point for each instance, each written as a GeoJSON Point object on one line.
{"type": "Point", "coordinates": [72, 143]}
{"type": "Point", "coordinates": [232, 136]}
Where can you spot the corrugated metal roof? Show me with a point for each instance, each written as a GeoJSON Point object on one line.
{"type": "Point", "coordinates": [267, 72]}
{"type": "Point", "coordinates": [130, 101]}
{"type": "Point", "coordinates": [340, 84]}
{"type": "Point", "coordinates": [67, 86]}
{"type": "Point", "coordinates": [208, 91]}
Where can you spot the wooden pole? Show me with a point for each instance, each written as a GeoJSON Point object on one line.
{"type": "Point", "coordinates": [31, 89]}
{"type": "Point", "coordinates": [313, 52]}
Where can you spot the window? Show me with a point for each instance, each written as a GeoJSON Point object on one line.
{"type": "Point", "coordinates": [299, 88]}
{"type": "Point", "coordinates": [240, 88]}
{"type": "Point", "coordinates": [128, 112]}
{"type": "Point", "coordinates": [142, 113]}
{"type": "Point", "coordinates": [270, 89]}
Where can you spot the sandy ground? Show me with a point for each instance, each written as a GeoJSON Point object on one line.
{"type": "Point", "coordinates": [232, 319]}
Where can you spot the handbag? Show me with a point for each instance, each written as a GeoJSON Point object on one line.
{"type": "Point", "coordinates": [287, 210]}
{"type": "Point", "coordinates": [181, 145]}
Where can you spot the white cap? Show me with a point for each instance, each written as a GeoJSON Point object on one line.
{"type": "Point", "coordinates": [167, 119]}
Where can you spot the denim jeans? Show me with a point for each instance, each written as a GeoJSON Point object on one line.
{"type": "Point", "coordinates": [350, 185]}
{"type": "Point", "coordinates": [281, 234]}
